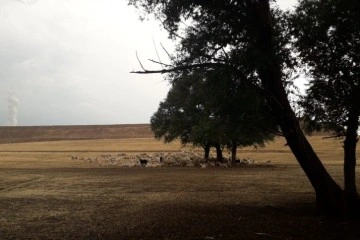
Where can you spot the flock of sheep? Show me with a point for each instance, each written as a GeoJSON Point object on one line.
{"type": "Point", "coordinates": [173, 159]}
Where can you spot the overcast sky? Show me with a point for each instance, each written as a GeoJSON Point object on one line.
{"type": "Point", "coordinates": [68, 62]}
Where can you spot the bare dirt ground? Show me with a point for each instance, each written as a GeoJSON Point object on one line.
{"type": "Point", "coordinates": [44, 194]}
{"type": "Point", "coordinates": [268, 202]}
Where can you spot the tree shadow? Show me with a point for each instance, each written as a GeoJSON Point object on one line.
{"type": "Point", "coordinates": [289, 220]}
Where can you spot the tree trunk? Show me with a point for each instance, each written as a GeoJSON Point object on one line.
{"type": "Point", "coordinates": [350, 142]}
{"type": "Point", "coordinates": [233, 154]}
{"type": "Point", "coordinates": [207, 152]}
{"type": "Point", "coordinates": [219, 156]}
{"type": "Point", "coordinates": [329, 197]}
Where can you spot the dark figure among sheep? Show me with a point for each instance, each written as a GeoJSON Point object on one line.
{"type": "Point", "coordinates": [143, 162]}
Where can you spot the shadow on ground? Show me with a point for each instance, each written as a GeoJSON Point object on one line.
{"type": "Point", "coordinates": [166, 220]}
{"type": "Point", "coordinates": [168, 204]}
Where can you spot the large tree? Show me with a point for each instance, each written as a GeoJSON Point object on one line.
{"type": "Point", "coordinates": [213, 109]}
{"type": "Point", "coordinates": [185, 115]}
{"type": "Point", "coordinates": [250, 37]}
{"type": "Point", "coordinates": [328, 41]}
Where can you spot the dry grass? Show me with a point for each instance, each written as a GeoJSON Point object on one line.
{"type": "Point", "coordinates": [45, 194]}
{"type": "Point", "coordinates": [81, 132]}
{"type": "Point", "coordinates": [99, 145]}
{"type": "Point", "coordinates": [329, 150]}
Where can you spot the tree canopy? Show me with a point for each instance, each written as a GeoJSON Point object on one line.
{"type": "Point", "coordinates": [254, 40]}
{"type": "Point", "coordinates": [328, 42]}
{"type": "Point", "coordinates": [205, 108]}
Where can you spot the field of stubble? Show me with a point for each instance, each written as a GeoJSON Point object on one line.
{"type": "Point", "coordinates": [44, 194]}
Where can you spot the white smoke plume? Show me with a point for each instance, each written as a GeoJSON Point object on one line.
{"type": "Point", "coordinates": [13, 103]}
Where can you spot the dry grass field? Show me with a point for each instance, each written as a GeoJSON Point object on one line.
{"type": "Point", "coordinates": [45, 194]}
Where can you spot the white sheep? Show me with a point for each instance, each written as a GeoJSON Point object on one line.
{"type": "Point", "coordinates": [223, 165]}
{"type": "Point", "coordinates": [190, 164]}
{"type": "Point", "coordinates": [211, 164]}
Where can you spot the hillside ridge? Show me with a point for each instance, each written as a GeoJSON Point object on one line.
{"type": "Point", "coordinates": [73, 132]}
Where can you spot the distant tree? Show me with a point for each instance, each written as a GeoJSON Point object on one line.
{"type": "Point", "coordinates": [245, 117]}
{"type": "Point", "coordinates": [210, 109]}
{"type": "Point", "coordinates": [251, 37]}
{"type": "Point", "coordinates": [182, 115]}
{"type": "Point", "coordinates": [328, 41]}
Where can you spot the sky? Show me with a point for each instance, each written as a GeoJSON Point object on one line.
{"type": "Point", "coordinates": [68, 62]}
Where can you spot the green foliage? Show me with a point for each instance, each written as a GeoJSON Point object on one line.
{"type": "Point", "coordinates": [231, 100]}
{"type": "Point", "coordinates": [328, 41]}
{"type": "Point", "coordinates": [212, 107]}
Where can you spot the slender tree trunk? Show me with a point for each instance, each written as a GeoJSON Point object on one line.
{"type": "Point", "coordinates": [207, 152]}
{"type": "Point", "coordinates": [233, 154]}
{"type": "Point", "coordinates": [219, 155]}
{"type": "Point", "coordinates": [329, 197]}
{"type": "Point", "coordinates": [350, 142]}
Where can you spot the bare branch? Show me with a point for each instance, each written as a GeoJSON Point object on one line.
{"type": "Point", "coordinates": [140, 62]}
{"type": "Point", "coordinates": [278, 133]}
{"type": "Point", "coordinates": [161, 63]}
{"type": "Point", "coordinates": [335, 136]}
{"type": "Point", "coordinates": [180, 68]}
{"type": "Point", "coordinates": [215, 51]}
{"type": "Point", "coordinates": [170, 57]}
{"type": "Point", "coordinates": [157, 54]}
{"type": "Point", "coordinates": [225, 53]}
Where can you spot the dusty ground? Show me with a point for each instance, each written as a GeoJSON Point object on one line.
{"type": "Point", "coordinates": [44, 194]}
{"type": "Point", "coordinates": [272, 202]}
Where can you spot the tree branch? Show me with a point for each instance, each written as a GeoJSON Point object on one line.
{"type": "Point", "coordinates": [225, 53]}
{"type": "Point", "coordinates": [334, 136]}
{"type": "Point", "coordinates": [179, 68]}
{"type": "Point", "coordinates": [170, 57]}
{"type": "Point", "coordinates": [157, 54]}
{"type": "Point", "coordinates": [139, 61]}
{"type": "Point", "coordinates": [161, 63]}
